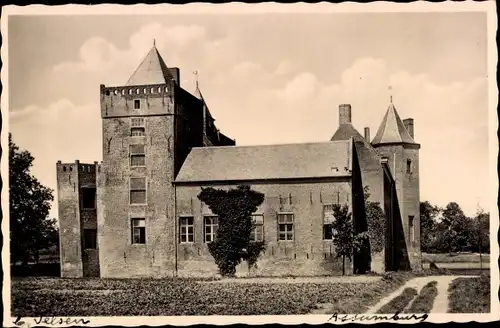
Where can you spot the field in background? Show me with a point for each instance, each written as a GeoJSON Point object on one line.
{"type": "Point", "coordinates": [455, 258]}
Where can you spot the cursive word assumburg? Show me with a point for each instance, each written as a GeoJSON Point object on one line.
{"type": "Point", "coordinates": [369, 317]}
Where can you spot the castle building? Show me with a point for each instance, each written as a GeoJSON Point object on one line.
{"type": "Point", "coordinates": [136, 214]}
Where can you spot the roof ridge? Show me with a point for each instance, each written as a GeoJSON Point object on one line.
{"type": "Point", "coordinates": [274, 145]}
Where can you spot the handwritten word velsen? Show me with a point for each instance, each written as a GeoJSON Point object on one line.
{"type": "Point", "coordinates": [54, 321]}
{"type": "Point", "coordinates": [395, 317]}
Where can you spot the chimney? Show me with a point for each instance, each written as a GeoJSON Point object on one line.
{"type": "Point", "coordinates": [408, 123]}
{"type": "Point", "coordinates": [344, 114]}
{"type": "Point", "coordinates": [176, 73]}
{"type": "Point", "coordinates": [367, 134]}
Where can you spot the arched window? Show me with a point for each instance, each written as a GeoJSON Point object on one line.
{"type": "Point", "coordinates": [152, 90]}
{"type": "Point", "coordinates": [130, 91]}
{"type": "Point", "coordinates": [116, 92]}
{"type": "Point", "coordinates": [123, 92]}
{"type": "Point", "coordinates": [137, 91]}
{"type": "Point", "coordinates": [166, 89]}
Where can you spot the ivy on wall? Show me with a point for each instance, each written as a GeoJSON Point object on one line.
{"type": "Point", "coordinates": [232, 242]}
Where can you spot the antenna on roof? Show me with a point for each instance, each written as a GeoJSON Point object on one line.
{"type": "Point", "coordinates": [390, 93]}
{"type": "Point", "coordinates": [196, 77]}
{"type": "Point", "coordinates": [154, 42]}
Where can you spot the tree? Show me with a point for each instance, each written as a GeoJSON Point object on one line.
{"type": "Point", "coordinates": [428, 225]}
{"type": "Point", "coordinates": [456, 228]}
{"type": "Point", "coordinates": [232, 242]}
{"type": "Point", "coordinates": [375, 217]}
{"type": "Point", "coordinates": [30, 202]}
{"type": "Point", "coordinates": [345, 241]}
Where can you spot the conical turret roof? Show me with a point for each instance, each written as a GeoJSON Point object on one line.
{"type": "Point", "coordinates": [392, 129]}
{"type": "Point", "coordinates": [152, 70]}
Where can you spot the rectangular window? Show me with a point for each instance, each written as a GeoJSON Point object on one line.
{"type": "Point", "coordinates": [89, 238]}
{"type": "Point", "coordinates": [138, 231]}
{"type": "Point", "coordinates": [88, 198]}
{"type": "Point", "coordinates": [285, 226]}
{"type": "Point", "coordinates": [137, 155]}
{"type": "Point", "coordinates": [137, 127]}
{"type": "Point", "coordinates": [137, 190]}
{"type": "Point", "coordinates": [411, 227]}
{"type": "Point", "coordinates": [211, 225]}
{"type": "Point", "coordinates": [137, 104]}
{"type": "Point", "coordinates": [408, 166]}
{"type": "Point", "coordinates": [328, 219]}
{"type": "Point", "coordinates": [257, 233]}
{"type": "Point", "coordinates": [186, 229]}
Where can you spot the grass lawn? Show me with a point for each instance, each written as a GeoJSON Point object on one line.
{"type": "Point", "coordinates": [454, 258]}
{"type": "Point", "coordinates": [424, 302]}
{"type": "Point", "coordinates": [470, 295]}
{"type": "Point", "coordinates": [120, 297]}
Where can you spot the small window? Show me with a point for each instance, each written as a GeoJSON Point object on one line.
{"type": "Point", "coordinates": [152, 90]}
{"type": "Point", "coordinates": [88, 198]}
{"type": "Point", "coordinates": [411, 227]}
{"type": "Point", "coordinates": [285, 226]}
{"type": "Point", "coordinates": [186, 229]}
{"type": "Point", "coordinates": [257, 233]}
{"type": "Point", "coordinates": [137, 155]}
{"type": "Point", "coordinates": [166, 89]}
{"type": "Point", "coordinates": [137, 132]}
{"type": "Point", "coordinates": [211, 226]}
{"type": "Point", "coordinates": [138, 91]}
{"type": "Point", "coordinates": [116, 92]}
{"type": "Point", "coordinates": [137, 104]}
{"type": "Point", "coordinates": [328, 219]}
{"type": "Point", "coordinates": [89, 238]}
{"type": "Point", "coordinates": [64, 168]}
{"type": "Point", "coordinates": [138, 231]}
{"type": "Point", "coordinates": [107, 92]}
{"type": "Point", "coordinates": [144, 90]}
{"type": "Point", "coordinates": [408, 166]}
{"type": "Point", "coordinates": [130, 91]}
{"type": "Point", "coordinates": [123, 92]}
{"type": "Point", "coordinates": [138, 191]}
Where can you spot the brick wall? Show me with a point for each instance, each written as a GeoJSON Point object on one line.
{"type": "Point", "coordinates": [308, 254]}
{"type": "Point", "coordinates": [69, 220]}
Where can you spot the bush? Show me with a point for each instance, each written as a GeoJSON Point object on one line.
{"type": "Point", "coordinates": [399, 303]}
{"type": "Point", "coordinates": [470, 295]}
{"type": "Point", "coordinates": [425, 300]}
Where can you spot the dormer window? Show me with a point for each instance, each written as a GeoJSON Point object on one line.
{"type": "Point", "coordinates": [137, 104]}
{"type": "Point", "coordinates": [408, 166]}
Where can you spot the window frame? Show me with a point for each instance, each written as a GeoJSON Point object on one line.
{"type": "Point", "coordinates": [286, 232]}
{"type": "Point", "coordinates": [137, 101]}
{"type": "Point", "coordinates": [260, 225]}
{"type": "Point", "coordinates": [137, 189]}
{"type": "Point", "coordinates": [213, 232]}
{"type": "Point", "coordinates": [186, 230]}
{"type": "Point", "coordinates": [132, 230]}
{"type": "Point", "coordinates": [409, 166]}
{"type": "Point", "coordinates": [412, 226]}
{"type": "Point", "coordinates": [137, 123]}
{"type": "Point", "coordinates": [138, 154]}
{"type": "Point", "coordinates": [325, 223]}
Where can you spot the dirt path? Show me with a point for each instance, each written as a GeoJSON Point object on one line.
{"type": "Point", "coordinates": [440, 302]}
{"type": "Point", "coordinates": [298, 280]}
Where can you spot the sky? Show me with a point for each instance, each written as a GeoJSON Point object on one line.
{"type": "Point", "coordinates": [267, 78]}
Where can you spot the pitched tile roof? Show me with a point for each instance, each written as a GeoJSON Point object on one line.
{"type": "Point", "coordinates": [392, 129]}
{"type": "Point", "coordinates": [152, 70]}
{"type": "Point", "coordinates": [289, 161]}
{"type": "Point", "coordinates": [346, 131]}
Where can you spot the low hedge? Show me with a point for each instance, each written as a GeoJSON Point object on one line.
{"type": "Point", "coordinates": [425, 300]}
